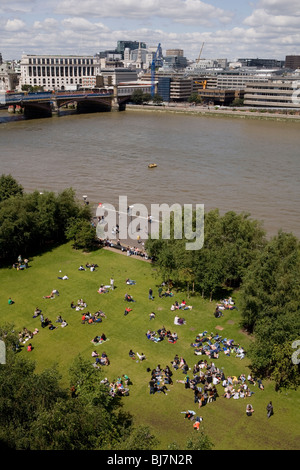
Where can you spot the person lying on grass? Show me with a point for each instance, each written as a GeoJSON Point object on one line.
{"type": "Point", "coordinates": [52, 295]}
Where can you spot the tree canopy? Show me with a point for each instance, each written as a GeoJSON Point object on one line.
{"type": "Point", "coordinates": [270, 308]}
{"type": "Point", "coordinates": [33, 221]}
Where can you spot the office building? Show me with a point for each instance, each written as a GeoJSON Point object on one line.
{"type": "Point", "coordinates": [56, 71]}
{"type": "Point", "coordinates": [292, 62]}
{"type": "Point", "coordinates": [273, 93]}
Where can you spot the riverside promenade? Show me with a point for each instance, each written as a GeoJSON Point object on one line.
{"type": "Point", "coordinates": [221, 111]}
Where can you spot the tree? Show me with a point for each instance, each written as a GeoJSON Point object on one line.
{"type": "Point", "coordinates": [34, 221]}
{"type": "Point", "coordinates": [231, 242]}
{"type": "Point", "coordinates": [270, 307]}
{"type": "Point", "coordinates": [137, 97]}
{"type": "Point", "coordinates": [157, 99]}
{"type": "Point", "coordinates": [195, 98]}
{"type": "Point", "coordinates": [82, 233]}
{"type": "Point", "coordinates": [147, 97]}
{"type": "Point", "coordinates": [9, 187]}
{"type": "Point", "coordinates": [237, 102]}
{"type": "Point", "coordinates": [199, 441]}
{"type": "Point", "coordinates": [139, 438]}
{"type": "Point", "coordinates": [36, 413]}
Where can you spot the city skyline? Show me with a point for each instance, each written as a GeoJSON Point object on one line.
{"type": "Point", "coordinates": [232, 29]}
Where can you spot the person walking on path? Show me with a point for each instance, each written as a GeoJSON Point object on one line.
{"type": "Point", "coordinates": [270, 410]}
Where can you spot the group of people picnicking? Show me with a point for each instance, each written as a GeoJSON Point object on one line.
{"type": "Point", "coordinates": [160, 379]}
{"type": "Point", "coordinates": [213, 344]}
{"type": "Point", "coordinates": [100, 359]}
{"type": "Point", "coordinates": [161, 334]}
{"type": "Point", "coordinates": [91, 266]}
{"type": "Point", "coordinates": [181, 306]}
{"type": "Point", "coordinates": [118, 387]}
{"type": "Point", "coordinates": [20, 264]}
{"type": "Point", "coordinates": [225, 304]}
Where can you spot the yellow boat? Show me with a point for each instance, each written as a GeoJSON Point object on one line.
{"type": "Point", "coordinates": [152, 165]}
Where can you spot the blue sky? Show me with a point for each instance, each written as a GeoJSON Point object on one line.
{"type": "Point", "coordinates": [229, 29]}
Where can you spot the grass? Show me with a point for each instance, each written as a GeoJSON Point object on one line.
{"type": "Point", "coordinates": [225, 421]}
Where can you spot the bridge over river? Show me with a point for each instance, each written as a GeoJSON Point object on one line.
{"type": "Point", "coordinates": [43, 104]}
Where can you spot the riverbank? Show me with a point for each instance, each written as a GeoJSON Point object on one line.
{"type": "Point", "coordinates": [219, 112]}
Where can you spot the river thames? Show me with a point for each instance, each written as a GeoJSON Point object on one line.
{"type": "Point", "coordinates": [244, 165]}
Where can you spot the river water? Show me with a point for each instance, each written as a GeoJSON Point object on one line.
{"type": "Point", "coordinates": [226, 163]}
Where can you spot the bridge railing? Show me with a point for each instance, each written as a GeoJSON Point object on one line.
{"type": "Point", "coordinates": [14, 98]}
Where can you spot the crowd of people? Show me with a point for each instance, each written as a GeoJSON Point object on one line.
{"type": "Point", "coordinates": [202, 379]}
{"type": "Point", "coordinates": [160, 379]}
{"type": "Point", "coordinates": [25, 334]}
{"type": "Point", "coordinates": [212, 345]}
{"type": "Point", "coordinates": [181, 306]}
{"type": "Point", "coordinates": [20, 264]}
{"type": "Point", "coordinates": [100, 359]}
{"type": "Point", "coordinates": [118, 387]}
{"type": "Point", "coordinates": [161, 334]}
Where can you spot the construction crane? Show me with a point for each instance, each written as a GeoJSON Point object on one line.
{"type": "Point", "coordinates": [198, 60]}
{"type": "Point", "coordinates": [153, 64]}
{"type": "Point", "coordinates": [203, 83]}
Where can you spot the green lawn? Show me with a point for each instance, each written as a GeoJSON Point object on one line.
{"type": "Point", "coordinates": [225, 421]}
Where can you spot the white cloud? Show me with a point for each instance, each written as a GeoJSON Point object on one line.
{"type": "Point", "coordinates": [185, 11]}
{"type": "Point", "coordinates": [271, 29]}
{"type": "Point", "coordinates": [47, 24]}
{"type": "Point", "coordinates": [82, 24]}
{"type": "Point", "coordinates": [14, 25]}
{"type": "Point", "coordinates": [12, 6]}
{"type": "Point", "coordinates": [280, 7]}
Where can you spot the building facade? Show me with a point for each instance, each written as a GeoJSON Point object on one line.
{"type": "Point", "coordinates": [274, 93]}
{"type": "Point", "coordinates": [9, 79]}
{"type": "Point", "coordinates": [56, 72]}
{"type": "Point", "coordinates": [292, 62]}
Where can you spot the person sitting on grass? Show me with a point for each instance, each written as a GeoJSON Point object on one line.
{"type": "Point", "coordinates": [63, 323]}
{"type": "Point", "coordinates": [179, 321]}
{"type": "Point", "coordinates": [128, 298]}
{"type": "Point", "coordinates": [127, 310]}
{"type": "Point", "coordinates": [151, 316]}
{"type": "Point", "coordinates": [96, 340]}
{"type": "Point", "coordinates": [104, 359]}
{"type": "Point", "coordinates": [37, 312]}
{"type": "Point", "coordinates": [102, 290]}
{"type": "Point", "coordinates": [131, 354]}
{"type": "Point", "coordinates": [130, 282]}
{"type": "Point", "coordinates": [10, 301]}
